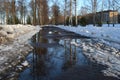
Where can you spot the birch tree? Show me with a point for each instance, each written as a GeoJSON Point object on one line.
{"type": "Point", "coordinates": [75, 12]}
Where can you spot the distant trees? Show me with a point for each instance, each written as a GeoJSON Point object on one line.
{"type": "Point", "coordinates": [83, 21]}
{"type": "Point", "coordinates": [65, 11]}
{"type": "Point", "coordinates": [44, 12]}
{"type": "Point", "coordinates": [76, 20]}
{"type": "Point", "coordinates": [70, 6]}
{"type": "Point", "coordinates": [7, 9]}
{"type": "Point", "coordinates": [29, 20]}
{"type": "Point", "coordinates": [34, 5]}
{"type": "Point", "coordinates": [13, 11]}
{"type": "Point", "coordinates": [93, 6]}
{"type": "Point", "coordinates": [19, 11]}
{"type": "Point", "coordinates": [56, 13]}
{"type": "Point", "coordinates": [1, 11]}
{"type": "Point", "coordinates": [41, 12]}
{"type": "Point", "coordinates": [22, 9]}
{"type": "Point", "coordinates": [10, 9]}
{"type": "Point", "coordinates": [70, 16]}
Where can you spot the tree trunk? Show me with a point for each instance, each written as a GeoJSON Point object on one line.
{"type": "Point", "coordinates": [75, 13]}
{"type": "Point", "coordinates": [94, 12]}
{"type": "Point", "coordinates": [13, 11]}
{"type": "Point", "coordinates": [109, 9]}
{"type": "Point", "coordinates": [34, 13]}
{"type": "Point", "coordinates": [65, 14]}
{"type": "Point", "coordinates": [102, 12]}
{"type": "Point", "coordinates": [70, 19]}
{"type": "Point", "coordinates": [113, 12]}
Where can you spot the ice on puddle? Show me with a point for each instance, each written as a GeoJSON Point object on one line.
{"type": "Point", "coordinates": [25, 63]}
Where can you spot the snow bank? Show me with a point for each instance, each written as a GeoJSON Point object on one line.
{"type": "Point", "coordinates": [104, 32]}
{"type": "Point", "coordinates": [16, 29]}
{"type": "Point", "coordinates": [99, 53]}
{"type": "Point", "coordinates": [104, 55]}
{"type": "Point", "coordinates": [11, 53]}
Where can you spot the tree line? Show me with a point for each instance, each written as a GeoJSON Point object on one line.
{"type": "Point", "coordinates": [36, 12]}
{"type": "Point", "coordinates": [40, 12]}
{"type": "Point", "coordinates": [94, 6]}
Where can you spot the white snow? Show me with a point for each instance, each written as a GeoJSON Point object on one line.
{"type": "Point", "coordinates": [50, 32]}
{"type": "Point", "coordinates": [25, 63]}
{"type": "Point", "coordinates": [17, 30]}
{"type": "Point", "coordinates": [74, 43]}
{"type": "Point", "coordinates": [3, 33]}
{"type": "Point", "coordinates": [111, 34]}
{"type": "Point", "coordinates": [20, 34]}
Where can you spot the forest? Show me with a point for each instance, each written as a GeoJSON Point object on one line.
{"type": "Point", "coordinates": [42, 12]}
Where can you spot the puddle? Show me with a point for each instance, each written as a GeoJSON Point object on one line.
{"type": "Point", "coordinates": [54, 58]}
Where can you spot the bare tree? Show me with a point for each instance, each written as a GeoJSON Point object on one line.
{"type": "Point", "coordinates": [34, 12]}
{"type": "Point", "coordinates": [75, 12]}
{"type": "Point", "coordinates": [39, 6]}
{"type": "Point", "coordinates": [13, 10]}
{"type": "Point", "coordinates": [22, 10]}
{"type": "Point", "coordinates": [31, 4]}
{"type": "Point", "coordinates": [70, 19]}
{"type": "Point", "coordinates": [39, 9]}
{"type": "Point", "coordinates": [45, 19]}
{"type": "Point", "coordinates": [1, 11]}
{"type": "Point", "coordinates": [92, 6]}
{"type": "Point", "coordinates": [56, 13]}
{"type": "Point", "coordinates": [113, 3]}
{"type": "Point", "coordinates": [65, 12]}
{"type": "Point", "coordinates": [84, 10]}
{"type": "Point", "coordinates": [94, 11]}
{"type": "Point", "coordinates": [116, 7]}
{"type": "Point", "coordinates": [7, 9]}
{"type": "Point", "coordinates": [102, 11]}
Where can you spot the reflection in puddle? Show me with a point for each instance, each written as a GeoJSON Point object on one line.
{"type": "Point", "coordinates": [51, 56]}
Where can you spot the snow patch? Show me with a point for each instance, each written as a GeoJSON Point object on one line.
{"type": "Point", "coordinates": [25, 63]}
{"type": "Point", "coordinates": [104, 32]}
{"type": "Point", "coordinates": [18, 47]}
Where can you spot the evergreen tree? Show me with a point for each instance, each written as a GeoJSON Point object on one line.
{"type": "Point", "coordinates": [83, 21]}
{"type": "Point", "coordinates": [29, 20]}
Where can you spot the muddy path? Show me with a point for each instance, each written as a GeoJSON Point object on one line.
{"type": "Point", "coordinates": [56, 56]}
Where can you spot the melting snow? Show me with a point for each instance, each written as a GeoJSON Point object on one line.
{"type": "Point", "coordinates": [111, 34]}
{"type": "Point", "coordinates": [25, 63]}
{"type": "Point", "coordinates": [99, 51]}
{"type": "Point", "coordinates": [20, 35]}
